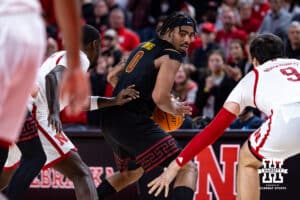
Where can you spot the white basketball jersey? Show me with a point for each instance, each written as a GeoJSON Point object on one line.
{"type": "Point", "coordinates": [58, 58]}
{"type": "Point", "coordinates": [278, 83]}
{"type": "Point", "coordinates": [19, 6]}
{"type": "Point", "coordinates": [269, 86]}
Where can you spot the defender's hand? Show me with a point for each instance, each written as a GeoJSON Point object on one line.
{"type": "Point", "coordinates": [164, 180]}
{"type": "Point", "coordinates": [54, 122]}
{"type": "Point", "coordinates": [127, 95]}
{"type": "Point", "coordinates": [182, 108]}
{"type": "Point", "coordinates": [74, 90]}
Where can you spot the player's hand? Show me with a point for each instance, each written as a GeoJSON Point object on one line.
{"type": "Point", "coordinates": [74, 90]}
{"type": "Point", "coordinates": [54, 122]}
{"type": "Point", "coordinates": [182, 108]}
{"type": "Point", "coordinates": [163, 181]}
{"type": "Point", "coordinates": [127, 95]}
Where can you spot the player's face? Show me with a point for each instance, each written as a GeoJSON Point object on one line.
{"type": "Point", "coordinates": [181, 37]}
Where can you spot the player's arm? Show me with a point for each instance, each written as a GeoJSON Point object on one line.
{"type": "Point", "coordinates": [204, 138]}
{"type": "Point", "coordinates": [52, 91]}
{"type": "Point", "coordinates": [126, 95]}
{"type": "Point", "coordinates": [75, 87]}
{"type": "Point", "coordinates": [68, 18]}
{"type": "Point", "coordinates": [161, 94]}
{"type": "Point", "coordinates": [239, 98]}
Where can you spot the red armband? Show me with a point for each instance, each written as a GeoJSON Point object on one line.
{"type": "Point", "coordinates": [206, 137]}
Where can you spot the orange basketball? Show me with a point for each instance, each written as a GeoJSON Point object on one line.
{"type": "Point", "coordinates": [167, 121]}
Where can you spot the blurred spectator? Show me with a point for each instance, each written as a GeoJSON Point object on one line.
{"type": "Point", "coordinates": [100, 20]}
{"type": "Point", "coordinates": [143, 23]}
{"type": "Point", "coordinates": [260, 9]}
{"type": "Point", "coordinates": [160, 22]}
{"type": "Point", "coordinates": [247, 120]}
{"type": "Point", "coordinates": [277, 20]}
{"type": "Point", "coordinates": [291, 7]}
{"type": "Point", "coordinates": [210, 12]}
{"type": "Point", "coordinates": [127, 39]}
{"type": "Point", "coordinates": [87, 11]}
{"type": "Point", "coordinates": [238, 58]}
{"type": "Point", "coordinates": [99, 87]}
{"type": "Point", "coordinates": [110, 47]}
{"type": "Point", "coordinates": [249, 66]}
{"type": "Point", "coordinates": [296, 17]}
{"type": "Point", "coordinates": [50, 21]}
{"type": "Point", "coordinates": [229, 32]}
{"type": "Point", "coordinates": [184, 88]}
{"type": "Point", "coordinates": [188, 9]}
{"type": "Point", "coordinates": [165, 7]}
{"type": "Point", "coordinates": [122, 3]}
{"type": "Point", "coordinates": [248, 23]}
{"type": "Point", "coordinates": [207, 35]}
{"type": "Point", "coordinates": [51, 46]}
{"type": "Point", "coordinates": [113, 4]}
{"type": "Point", "coordinates": [293, 44]}
{"type": "Point", "coordinates": [227, 5]}
{"type": "Point", "coordinates": [214, 87]}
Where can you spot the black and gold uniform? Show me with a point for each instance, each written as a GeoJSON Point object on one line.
{"type": "Point", "coordinates": [133, 135]}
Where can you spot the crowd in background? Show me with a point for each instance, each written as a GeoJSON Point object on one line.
{"type": "Point", "coordinates": [217, 58]}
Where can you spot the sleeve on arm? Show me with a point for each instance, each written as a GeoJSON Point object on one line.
{"type": "Point", "coordinates": [243, 93]}
{"type": "Point", "coordinates": [206, 137]}
{"type": "Point", "coordinates": [173, 54]}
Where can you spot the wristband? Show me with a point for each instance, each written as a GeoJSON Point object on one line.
{"type": "Point", "coordinates": [94, 102]}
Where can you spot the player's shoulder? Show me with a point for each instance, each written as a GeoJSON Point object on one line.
{"type": "Point", "coordinates": [169, 50]}
{"type": "Point", "coordinates": [278, 63]}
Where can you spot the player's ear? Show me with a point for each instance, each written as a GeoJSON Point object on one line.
{"type": "Point", "coordinates": [255, 62]}
{"type": "Point", "coordinates": [95, 44]}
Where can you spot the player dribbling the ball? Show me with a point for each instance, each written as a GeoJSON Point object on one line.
{"type": "Point", "coordinates": [138, 143]}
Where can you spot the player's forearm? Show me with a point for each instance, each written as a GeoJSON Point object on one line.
{"type": "Point", "coordinates": [165, 102]}
{"type": "Point", "coordinates": [68, 17]}
{"type": "Point", "coordinates": [206, 137]}
{"type": "Point", "coordinates": [52, 94]}
{"type": "Point", "coordinates": [97, 102]}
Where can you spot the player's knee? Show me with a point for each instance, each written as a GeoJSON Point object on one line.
{"type": "Point", "coordinates": [190, 167]}
{"type": "Point", "coordinates": [246, 158]}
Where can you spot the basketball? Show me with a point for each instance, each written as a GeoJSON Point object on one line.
{"type": "Point", "coordinates": [167, 121]}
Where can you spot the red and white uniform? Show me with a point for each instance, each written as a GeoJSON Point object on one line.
{"type": "Point", "coordinates": [22, 46]}
{"type": "Point", "coordinates": [273, 88]}
{"type": "Point", "coordinates": [56, 146]}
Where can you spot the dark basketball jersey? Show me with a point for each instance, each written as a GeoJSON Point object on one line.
{"type": "Point", "coordinates": [140, 70]}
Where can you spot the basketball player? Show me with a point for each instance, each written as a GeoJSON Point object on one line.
{"type": "Point", "coordinates": [274, 88]}
{"type": "Point", "coordinates": [138, 143]}
{"type": "Point", "coordinates": [22, 41]}
{"type": "Point", "coordinates": [60, 151]}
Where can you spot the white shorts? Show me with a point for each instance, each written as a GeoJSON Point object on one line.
{"type": "Point", "coordinates": [56, 146]}
{"type": "Point", "coordinates": [277, 138]}
{"type": "Point", "coordinates": [22, 47]}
